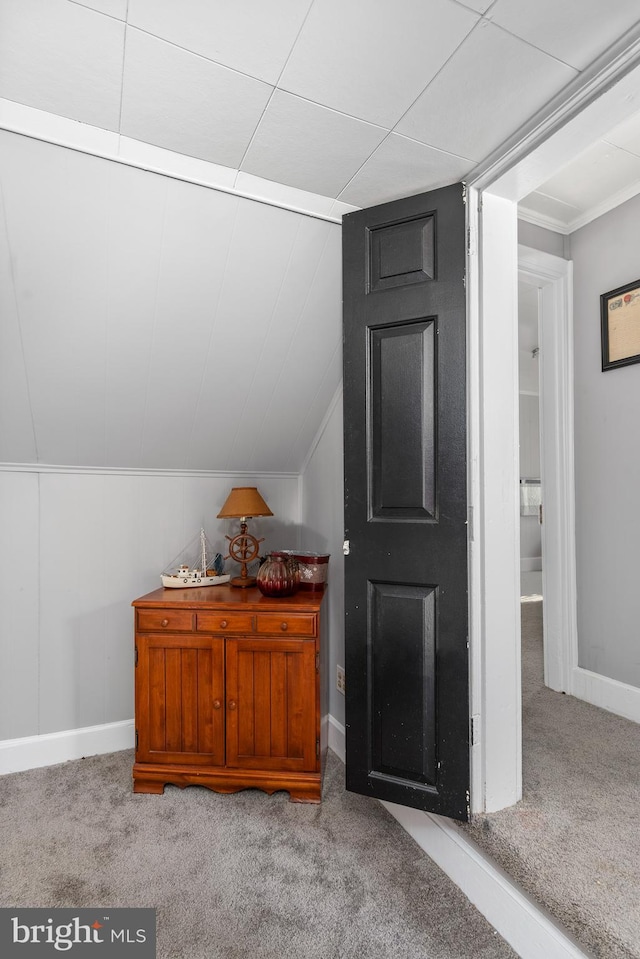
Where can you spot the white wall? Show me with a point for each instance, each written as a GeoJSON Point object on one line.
{"type": "Point", "coordinates": [160, 342]}
{"type": "Point", "coordinates": [322, 529]}
{"type": "Point", "coordinates": [77, 548]}
{"type": "Point", "coordinates": [606, 255]}
{"type": "Point", "coordinates": [539, 238]}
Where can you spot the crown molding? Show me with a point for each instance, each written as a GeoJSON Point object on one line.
{"type": "Point", "coordinates": [546, 222]}
{"type": "Point", "coordinates": [586, 217]}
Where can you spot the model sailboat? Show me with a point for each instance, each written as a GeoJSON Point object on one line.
{"type": "Point", "coordinates": [205, 568]}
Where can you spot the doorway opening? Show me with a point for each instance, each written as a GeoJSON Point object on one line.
{"type": "Point", "coordinates": [547, 281]}
{"type": "Point", "coordinates": [530, 485]}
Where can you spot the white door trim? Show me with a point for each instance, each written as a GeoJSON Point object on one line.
{"type": "Point", "coordinates": [553, 276]}
{"type": "Point", "coordinates": [494, 535]}
{"type": "Point", "coordinates": [605, 96]}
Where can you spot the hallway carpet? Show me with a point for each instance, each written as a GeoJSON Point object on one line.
{"type": "Point", "coordinates": [573, 842]}
{"type": "Point", "coordinates": [246, 875]}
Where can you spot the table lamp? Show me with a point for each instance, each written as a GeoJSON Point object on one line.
{"type": "Point", "coordinates": [242, 503]}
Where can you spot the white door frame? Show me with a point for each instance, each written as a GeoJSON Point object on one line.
{"type": "Point", "coordinates": [494, 535]}
{"type": "Point", "coordinates": [553, 277]}
{"type": "Point", "coordinates": [595, 103]}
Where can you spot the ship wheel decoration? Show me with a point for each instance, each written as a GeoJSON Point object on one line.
{"type": "Point", "coordinates": [243, 548]}
{"type": "Point", "coordinates": [242, 503]}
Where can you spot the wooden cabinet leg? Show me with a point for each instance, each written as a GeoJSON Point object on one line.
{"type": "Point", "coordinates": [148, 787]}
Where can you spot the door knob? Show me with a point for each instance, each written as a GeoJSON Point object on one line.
{"type": "Point", "coordinates": [217, 704]}
{"type": "Point", "coordinates": [232, 704]}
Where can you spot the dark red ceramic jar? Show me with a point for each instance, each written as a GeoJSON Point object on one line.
{"type": "Point", "coordinates": [279, 575]}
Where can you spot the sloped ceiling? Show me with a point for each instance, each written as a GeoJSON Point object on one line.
{"type": "Point", "coordinates": [146, 322]}
{"type": "Point", "coordinates": [358, 101]}
{"type": "Point", "coordinates": [149, 323]}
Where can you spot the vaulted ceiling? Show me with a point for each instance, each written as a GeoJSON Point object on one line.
{"type": "Point", "coordinates": [148, 323]}
{"type": "Point", "coordinates": [359, 101]}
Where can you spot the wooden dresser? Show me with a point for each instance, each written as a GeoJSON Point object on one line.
{"type": "Point", "coordinates": [230, 691]}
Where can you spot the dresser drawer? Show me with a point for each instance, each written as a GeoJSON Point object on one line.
{"type": "Point", "coordinates": [225, 622]}
{"type": "Point", "coordinates": [181, 619]}
{"type": "Point", "coordinates": [297, 624]}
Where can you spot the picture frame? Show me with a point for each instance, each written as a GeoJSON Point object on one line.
{"type": "Point", "coordinates": [620, 326]}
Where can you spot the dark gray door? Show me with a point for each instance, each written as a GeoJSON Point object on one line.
{"type": "Point", "coordinates": [407, 706]}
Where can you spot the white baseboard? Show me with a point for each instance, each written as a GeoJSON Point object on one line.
{"type": "Point", "coordinates": [30, 752]}
{"type": "Point", "coordinates": [337, 738]}
{"type": "Point", "coordinates": [609, 694]}
{"type": "Point", "coordinates": [526, 927]}
{"type": "Point", "coordinates": [519, 919]}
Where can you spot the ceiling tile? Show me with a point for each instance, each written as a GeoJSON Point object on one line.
{"type": "Point", "coordinates": [594, 176]}
{"type": "Point", "coordinates": [627, 135]}
{"type": "Point", "coordinates": [574, 31]}
{"type": "Point", "coordinates": [253, 37]}
{"type": "Point", "coordinates": [371, 61]}
{"type": "Point", "coordinates": [400, 167]}
{"type": "Point", "coordinates": [63, 58]}
{"type": "Point", "coordinates": [185, 103]}
{"type": "Point", "coordinates": [308, 146]}
{"type": "Point", "coordinates": [487, 90]}
{"type": "Point", "coordinates": [539, 204]}
{"type": "Point", "coordinates": [112, 8]}
{"type": "Point", "coordinates": [481, 6]}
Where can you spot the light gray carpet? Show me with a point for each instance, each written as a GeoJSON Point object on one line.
{"type": "Point", "coordinates": [247, 875]}
{"type": "Point", "coordinates": [574, 840]}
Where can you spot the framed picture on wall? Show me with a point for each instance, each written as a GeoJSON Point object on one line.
{"type": "Point", "coordinates": [620, 322]}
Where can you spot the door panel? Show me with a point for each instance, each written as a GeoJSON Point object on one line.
{"type": "Point", "coordinates": [402, 253]}
{"type": "Point", "coordinates": [271, 704]}
{"type": "Point", "coordinates": [407, 709]}
{"type": "Point", "coordinates": [181, 691]}
{"type": "Point", "coordinates": [402, 428]}
{"type": "Point", "coordinates": [402, 679]}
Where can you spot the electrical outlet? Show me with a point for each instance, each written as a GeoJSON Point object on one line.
{"type": "Point", "coordinates": [340, 681]}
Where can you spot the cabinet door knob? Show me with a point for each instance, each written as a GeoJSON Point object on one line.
{"type": "Point", "coordinates": [284, 627]}
{"type": "Point", "coordinates": [165, 622]}
{"type": "Point", "coordinates": [223, 624]}
{"type": "Point", "coordinates": [232, 704]}
{"type": "Point", "coordinates": [217, 704]}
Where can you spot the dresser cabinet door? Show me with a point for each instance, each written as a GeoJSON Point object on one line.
{"type": "Point", "coordinates": [180, 699]}
{"type": "Point", "coordinates": [271, 704]}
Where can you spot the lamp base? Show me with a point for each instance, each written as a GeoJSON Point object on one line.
{"type": "Point", "coordinates": [243, 581]}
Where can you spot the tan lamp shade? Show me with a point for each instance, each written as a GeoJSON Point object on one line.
{"type": "Point", "coordinates": [244, 501]}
